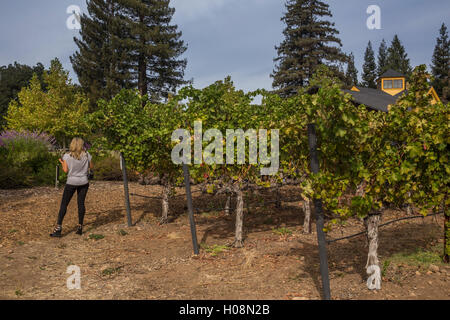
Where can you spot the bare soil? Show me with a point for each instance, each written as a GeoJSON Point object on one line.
{"type": "Point", "coordinates": [152, 261]}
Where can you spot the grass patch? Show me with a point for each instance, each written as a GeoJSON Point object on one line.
{"type": "Point", "coordinates": [420, 257]}
{"type": "Point", "coordinates": [20, 243]}
{"type": "Point", "coordinates": [96, 237]}
{"type": "Point", "coordinates": [13, 231]}
{"type": "Point", "coordinates": [385, 267]}
{"type": "Point", "coordinates": [122, 232]}
{"type": "Point", "coordinates": [215, 249]}
{"type": "Point", "coordinates": [213, 213]}
{"type": "Point", "coordinates": [19, 293]}
{"type": "Point", "coordinates": [111, 271]}
{"type": "Point", "coordinates": [62, 246]}
{"type": "Point", "coordinates": [282, 231]}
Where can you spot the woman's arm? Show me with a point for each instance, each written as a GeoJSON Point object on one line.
{"type": "Point", "coordinates": [91, 166]}
{"type": "Point", "coordinates": [64, 165]}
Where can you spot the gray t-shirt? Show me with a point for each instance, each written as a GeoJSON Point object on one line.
{"type": "Point", "coordinates": [78, 169]}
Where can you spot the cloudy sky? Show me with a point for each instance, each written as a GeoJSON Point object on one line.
{"type": "Point", "coordinates": [226, 37]}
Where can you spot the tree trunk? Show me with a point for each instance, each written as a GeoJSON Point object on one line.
{"type": "Point", "coordinates": [228, 204]}
{"type": "Point", "coordinates": [409, 207]}
{"type": "Point", "coordinates": [142, 67]}
{"type": "Point", "coordinates": [361, 189]}
{"type": "Point", "coordinates": [238, 240]}
{"type": "Point", "coordinates": [307, 211]}
{"type": "Point", "coordinates": [165, 202]}
{"type": "Point", "coordinates": [372, 267]}
{"type": "Point", "coordinates": [409, 210]}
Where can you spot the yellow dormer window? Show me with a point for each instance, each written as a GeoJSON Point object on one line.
{"type": "Point", "coordinates": [398, 84]}
{"type": "Point", "coordinates": [393, 86]}
{"type": "Point", "coordinates": [387, 84]}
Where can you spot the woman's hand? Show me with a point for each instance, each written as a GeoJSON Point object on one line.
{"type": "Point", "coordinates": [64, 165]}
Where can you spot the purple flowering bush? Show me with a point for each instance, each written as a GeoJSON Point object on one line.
{"type": "Point", "coordinates": [12, 135]}
{"type": "Point", "coordinates": [26, 159]}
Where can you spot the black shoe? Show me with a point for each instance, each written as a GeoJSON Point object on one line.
{"type": "Point", "coordinates": [56, 232]}
{"type": "Point", "coordinates": [79, 230]}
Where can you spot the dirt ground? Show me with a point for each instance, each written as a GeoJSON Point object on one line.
{"type": "Point", "coordinates": [152, 261]}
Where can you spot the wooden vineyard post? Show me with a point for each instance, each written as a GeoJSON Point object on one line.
{"type": "Point", "coordinates": [57, 178]}
{"type": "Point", "coordinates": [187, 182]}
{"type": "Point", "coordinates": [312, 138]}
{"type": "Point", "coordinates": [125, 188]}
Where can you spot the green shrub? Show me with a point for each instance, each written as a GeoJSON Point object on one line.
{"type": "Point", "coordinates": [107, 168]}
{"type": "Point", "coordinates": [26, 160]}
{"type": "Point", "coordinates": [12, 177]}
{"type": "Point", "coordinates": [96, 237]}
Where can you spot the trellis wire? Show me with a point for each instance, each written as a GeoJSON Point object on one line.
{"type": "Point", "coordinates": [199, 210]}
{"type": "Point", "coordinates": [382, 225]}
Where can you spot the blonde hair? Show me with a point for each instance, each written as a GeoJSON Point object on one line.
{"type": "Point", "coordinates": [77, 148]}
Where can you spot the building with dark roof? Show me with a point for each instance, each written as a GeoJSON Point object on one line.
{"type": "Point", "coordinates": [391, 86]}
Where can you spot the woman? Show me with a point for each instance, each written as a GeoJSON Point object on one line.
{"type": "Point", "coordinates": [76, 163]}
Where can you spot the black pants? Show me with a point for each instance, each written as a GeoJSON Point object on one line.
{"type": "Point", "coordinates": [69, 190]}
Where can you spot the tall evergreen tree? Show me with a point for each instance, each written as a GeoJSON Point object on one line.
{"type": "Point", "coordinates": [352, 73]}
{"type": "Point", "coordinates": [441, 61]}
{"type": "Point", "coordinates": [446, 90]}
{"type": "Point", "coordinates": [382, 58]}
{"type": "Point", "coordinates": [309, 41]}
{"type": "Point", "coordinates": [369, 75]}
{"type": "Point", "coordinates": [398, 58]}
{"type": "Point", "coordinates": [100, 63]}
{"type": "Point", "coordinates": [154, 46]}
{"type": "Point", "coordinates": [129, 44]}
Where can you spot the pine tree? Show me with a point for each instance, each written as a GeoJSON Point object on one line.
{"type": "Point", "coordinates": [129, 44]}
{"type": "Point", "coordinates": [100, 63]}
{"type": "Point", "coordinates": [309, 41]}
{"type": "Point", "coordinates": [352, 73]}
{"type": "Point", "coordinates": [155, 47]}
{"type": "Point", "coordinates": [369, 75]}
{"type": "Point", "coordinates": [446, 90]}
{"type": "Point", "coordinates": [398, 58]}
{"type": "Point", "coordinates": [382, 58]}
{"type": "Point", "coordinates": [441, 62]}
